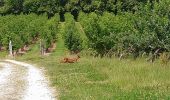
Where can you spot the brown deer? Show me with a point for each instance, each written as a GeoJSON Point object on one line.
{"type": "Point", "coordinates": [70, 60]}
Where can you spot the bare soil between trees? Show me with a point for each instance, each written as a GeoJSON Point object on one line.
{"type": "Point", "coordinates": [22, 81]}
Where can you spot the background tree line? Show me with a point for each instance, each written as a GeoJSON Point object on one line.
{"type": "Point", "coordinates": [74, 6]}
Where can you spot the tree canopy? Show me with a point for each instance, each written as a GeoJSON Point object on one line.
{"type": "Point", "coordinates": [74, 6]}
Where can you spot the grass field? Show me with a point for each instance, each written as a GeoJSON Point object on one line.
{"type": "Point", "coordinates": [103, 78]}
{"type": "Point", "coordinates": [3, 54]}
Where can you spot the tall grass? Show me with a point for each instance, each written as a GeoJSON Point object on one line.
{"type": "Point", "coordinates": [108, 79]}
{"type": "Point", "coordinates": [3, 54]}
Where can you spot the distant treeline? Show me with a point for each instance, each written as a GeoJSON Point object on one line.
{"type": "Point", "coordinates": [74, 6]}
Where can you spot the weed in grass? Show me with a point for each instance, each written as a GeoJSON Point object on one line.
{"type": "Point", "coordinates": [164, 58]}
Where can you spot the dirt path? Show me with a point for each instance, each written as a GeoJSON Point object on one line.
{"type": "Point", "coordinates": [21, 81]}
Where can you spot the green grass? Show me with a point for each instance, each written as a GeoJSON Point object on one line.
{"type": "Point", "coordinates": [106, 79]}
{"type": "Point", "coordinates": [103, 78]}
{"type": "Point", "coordinates": [3, 54]}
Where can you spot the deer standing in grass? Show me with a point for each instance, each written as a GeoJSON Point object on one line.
{"type": "Point", "coordinates": [70, 60]}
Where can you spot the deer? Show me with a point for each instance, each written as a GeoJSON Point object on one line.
{"type": "Point", "coordinates": [70, 60]}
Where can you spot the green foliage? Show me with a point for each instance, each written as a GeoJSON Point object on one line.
{"type": "Point", "coordinates": [72, 35]}
{"type": "Point", "coordinates": [25, 29]}
{"type": "Point", "coordinates": [147, 30]}
{"type": "Point", "coordinates": [107, 32]}
{"type": "Point", "coordinates": [49, 31]}
{"type": "Point", "coordinates": [74, 6]}
{"type": "Point", "coordinates": [11, 6]}
{"type": "Point", "coordinates": [152, 29]}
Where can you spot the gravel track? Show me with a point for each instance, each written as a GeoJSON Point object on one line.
{"type": "Point", "coordinates": [22, 81]}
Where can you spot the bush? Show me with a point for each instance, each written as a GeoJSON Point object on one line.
{"type": "Point", "coordinates": [144, 31]}
{"type": "Point", "coordinates": [72, 37]}
{"type": "Point", "coordinates": [49, 31]}
{"type": "Point", "coordinates": [25, 29]}
{"type": "Point", "coordinates": [107, 32]}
